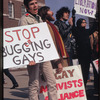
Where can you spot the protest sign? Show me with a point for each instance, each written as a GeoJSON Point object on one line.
{"type": "Point", "coordinates": [27, 43]}
{"type": "Point", "coordinates": [69, 83]}
{"type": "Point", "coordinates": [75, 61]}
{"type": "Point", "coordinates": [96, 64]}
{"type": "Point", "coordinates": [86, 7]}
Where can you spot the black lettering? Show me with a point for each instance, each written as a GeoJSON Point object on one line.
{"type": "Point", "coordinates": [17, 50]}
{"type": "Point", "coordinates": [25, 59]}
{"type": "Point", "coordinates": [32, 46]}
{"type": "Point", "coordinates": [46, 45]}
{"type": "Point", "coordinates": [37, 46]}
{"type": "Point", "coordinates": [39, 55]}
{"type": "Point", "coordinates": [8, 52]}
{"type": "Point", "coordinates": [32, 56]}
{"type": "Point", "coordinates": [25, 48]}
{"type": "Point", "coordinates": [4, 52]}
{"type": "Point", "coordinates": [17, 62]}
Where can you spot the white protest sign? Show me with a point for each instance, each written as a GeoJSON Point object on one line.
{"type": "Point", "coordinates": [27, 43]}
{"type": "Point", "coordinates": [86, 7]}
{"type": "Point", "coordinates": [69, 83]}
{"type": "Point", "coordinates": [96, 64]}
{"type": "Point", "coordinates": [75, 61]}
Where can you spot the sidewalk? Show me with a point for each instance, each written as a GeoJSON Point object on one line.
{"type": "Point", "coordinates": [21, 93]}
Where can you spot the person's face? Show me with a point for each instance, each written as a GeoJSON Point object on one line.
{"type": "Point", "coordinates": [83, 23]}
{"type": "Point", "coordinates": [50, 15]}
{"type": "Point", "coordinates": [65, 16]}
{"type": "Point", "coordinates": [33, 7]}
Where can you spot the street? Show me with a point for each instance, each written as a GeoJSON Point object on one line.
{"type": "Point", "coordinates": [21, 93]}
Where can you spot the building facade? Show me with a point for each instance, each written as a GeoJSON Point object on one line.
{"type": "Point", "coordinates": [13, 10]}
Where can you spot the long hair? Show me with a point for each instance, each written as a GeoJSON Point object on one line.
{"type": "Point", "coordinates": [43, 12]}
{"type": "Point", "coordinates": [61, 11]}
{"type": "Point", "coordinates": [79, 22]}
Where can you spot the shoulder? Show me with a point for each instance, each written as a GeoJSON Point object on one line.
{"type": "Point", "coordinates": [23, 19]}
{"type": "Point", "coordinates": [57, 22]}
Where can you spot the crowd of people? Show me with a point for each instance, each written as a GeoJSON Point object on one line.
{"type": "Point", "coordinates": [71, 42]}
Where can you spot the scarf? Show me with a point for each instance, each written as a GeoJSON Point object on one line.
{"type": "Point", "coordinates": [60, 45]}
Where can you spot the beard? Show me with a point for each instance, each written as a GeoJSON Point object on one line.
{"type": "Point", "coordinates": [50, 18]}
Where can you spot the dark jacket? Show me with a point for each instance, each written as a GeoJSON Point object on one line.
{"type": "Point", "coordinates": [64, 29]}
{"type": "Point", "coordinates": [82, 42]}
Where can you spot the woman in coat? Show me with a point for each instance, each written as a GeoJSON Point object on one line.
{"type": "Point", "coordinates": [83, 46]}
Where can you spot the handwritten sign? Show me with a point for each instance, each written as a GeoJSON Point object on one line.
{"type": "Point", "coordinates": [69, 83]}
{"type": "Point", "coordinates": [86, 7]}
{"type": "Point", "coordinates": [27, 43]}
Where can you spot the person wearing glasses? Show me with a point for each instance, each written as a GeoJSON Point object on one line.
{"type": "Point", "coordinates": [83, 46]}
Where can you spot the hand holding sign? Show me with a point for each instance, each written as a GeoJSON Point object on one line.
{"type": "Point", "coordinates": [24, 44]}
{"type": "Point", "coordinates": [31, 63]}
{"type": "Point", "coordinates": [69, 83]}
{"type": "Point", "coordinates": [60, 68]}
{"type": "Point", "coordinates": [70, 21]}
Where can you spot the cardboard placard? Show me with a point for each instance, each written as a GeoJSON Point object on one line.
{"type": "Point", "coordinates": [86, 7]}
{"type": "Point", "coordinates": [69, 83]}
{"type": "Point", "coordinates": [27, 43]}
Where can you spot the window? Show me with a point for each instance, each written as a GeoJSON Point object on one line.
{"type": "Point", "coordinates": [11, 10]}
{"type": "Point", "coordinates": [23, 10]}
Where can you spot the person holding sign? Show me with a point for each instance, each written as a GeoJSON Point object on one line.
{"type": "Point", "coordinates": [32, 17]}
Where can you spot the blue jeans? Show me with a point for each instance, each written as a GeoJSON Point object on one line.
{"type": "Point", "coordinates": [8, 74]}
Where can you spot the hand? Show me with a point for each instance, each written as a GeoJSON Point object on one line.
{"type": "Point", "coordinates": [31, 63]}
{"type": "Point", "coordinates": [60, 68]}
{"type": "Point", "coordinates": [95, 34]}
{"type": "Point", "coordinates": [70, 21]}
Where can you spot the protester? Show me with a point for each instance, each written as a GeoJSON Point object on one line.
{"type": "Point", "coordinates": [62, 17]}
{"type": "Point", "coordinates": [83, 46]}
{"type": "Point", "coordinates": [95, 56]}
{"type": "Point", "coordinates": [94, 45]}
{"type": "Point", "coordinates": [11, 77]}
{"type": "Point", "coordinates": [32, 17]}
{"type": "Point", "coordinates": [47, 16]}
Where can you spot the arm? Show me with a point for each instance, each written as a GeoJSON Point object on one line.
{"type": "Point", "coordinates": [58, 65]}
{"type": "Point", "coordinates": [63, 28]}
{"type": "Point", "coordinates": [93, 28]}
{"type": "Point", "coordinates": [64, 32]}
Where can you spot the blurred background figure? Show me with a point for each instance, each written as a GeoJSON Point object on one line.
{"type": "Point", "coordinates": [11, 77]}
{"type": "Point", "coordinates": [47, 16]}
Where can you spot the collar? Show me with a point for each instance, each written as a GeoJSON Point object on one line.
{"type": "Point", "coordinates": [33, 16]}
{"type": "Point", "coordinates": [30, 14]}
